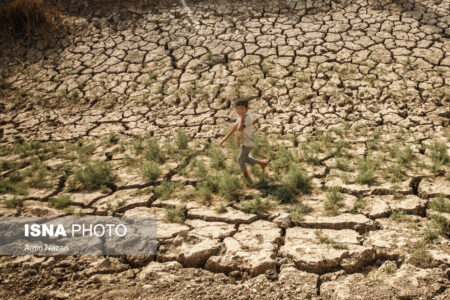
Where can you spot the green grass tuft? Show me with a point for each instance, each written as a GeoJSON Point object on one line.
{"type": "Point", "coordinates": [204, 192]}
{"type": "Point", "coordinates": [421, 256]}
{"type": "Point", "coordinates": [163, 190]}
{"type": "Point", "coordinates": [221, 209]}
{"type": "Point", "coordinates": [329, 241]}
{"type": "Point", "coordinates": [439, 156]}
{"type": "Point", "coordinates": [366, 171]}
{"type": "Point", "coordinates": [175, 214]}
{"type": "Point", "coordinates": [217, 157]}
{"type": "Point", "coordinates": [230, 187]}
{"type": "Point", "coordinates": [333, 197]}
{"type": "Point", "coordinates": [440, 204]}
{"type": "Point", "coordinates": [153, 151]}
{"type": "Point", "coordinates": [298, 180]}
{"type": "Point", "coordinates": [437, 225]}
{"type": "Point", "coordinates": [200, 168]}
{"type": "Point", "coordinates": [151, 170]}
{"type": "Point", "coordinates": [14, 202]}
{"type": "Point", "coordinates": [60, 202]}
{"type": "Point", "coordinates": [256, 206]}
{"type": "Point", "coordinates": [398, 215]}
{"type": "Point", "coordinates": [298, 212]}
{"type": "Point", "coordinates": [93, 176]}
{"type": "Point", "coordinates": [181, 139]}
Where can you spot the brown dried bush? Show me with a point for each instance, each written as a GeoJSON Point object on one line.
{"type": "Point", "coordinates": [26, 16]}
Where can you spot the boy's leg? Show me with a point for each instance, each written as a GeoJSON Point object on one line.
{"type": "Point", "coordinates": [242, 159]}
{"type": "Point", "coordinates": [251, 160]}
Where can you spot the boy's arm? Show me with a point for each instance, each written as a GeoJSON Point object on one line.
{"type": "Point", "coordinates": [240, 125]}
{"type": "Point", "coordinates": [233, 130]}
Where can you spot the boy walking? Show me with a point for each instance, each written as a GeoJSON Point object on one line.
{"type": "Point", "coordinates": [246, 140]}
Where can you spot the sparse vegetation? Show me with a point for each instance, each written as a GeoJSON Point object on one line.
{"type": "Point", "coordinates": [70, 211]}
{"type": "Point", "coordinates": [342, 165]}
{"type": "Point", "coordinates": [298, 212]}
{"type": "Point", "coordinates": [437, 225]}
{"type": "Point", "coordinates": [37, 177]}
{"type": "Point", "coordinates": [204, 192]}
{"type": "Point", "coordinates": [12, 185]}
{"type": "Point", "coordinates": [92, 176]}
{"type": "Point", "coordinates": [390, 267]}
{"type": "Point", "coordinates": [152, 75]}
{"type": "Point", "coordinates": [358, 205]}
{"type": "Point", "coordinates": [154, 152]}
{"type": "Point", "coordinates": [209, 58]}
{"type": "Point", "coordinates": [440, 204]}
{"type": "Point", "coordinates": [310, 153]}
{"type": "Point", "coordinates": [60, 202]}
{"type": "Point", "coordinates": [229, 187]}
{"type": "Point", "coordinates": [7, 165]}
{"type": "Point", "coordinates": [74, 96]}
{"type": "Point", "coordinates": [283, 160]}
{"type": "Point", "coordinates": [439, 156]}
{"type": "Point", "coordinates": [221, 209]}
{"type": "Point", "coordinates": [112, 139]}
{"type": "Point", "coordinates": [421, 256]}
{"type": "Point", "coordinates": [398, 215]}
{"type": "Point", "coordinates": [333, 197]}
{"type": "Point", "coordinates": [294, 182]}
{"type": "Point", "coordinates": [303, 78]}
{"type": "Point", "coordinates": [181, 139]}
{"type": "Point", "coordinates": [200, 168]}
{"type": "Point", "coordinates": [83, 150]}
{"type": "Point", "coordinates": [14, 202]}
{"type": "Point", "coordinates": [329, 241]}
{"type": "Point", "coordinates": [346, 177]}
{"type": "Point", "coordinates": [298, 180]}
{"type": "Point", "coordinates": [284, 194]}
{"type": "Point", "coordinates": [175, 214]}
{"type": "Point", "coordinates": [120, 203]}
{"type": "Point", "coordinates": [264, 69]}
{"type": "Point", "coordinates": [217, 157]}
{"type": "Point", "coordinates": [131, 161]}
{"type": "Point", "coordinates": [396, 173]}
{"type": "Point", "coordinates": [256, 206]}
{"type": "Point", "coordinates": [213, 183]}
{"type": "Point", "coordinates": [138, 144]}
{"type": "Point", "coordinates": [373, 142]}
{"type": "Point", "coordinates": [25, 149]}
{"type": "Point", "coordinates": [262, 147]}
{"type": "Point", "coordinates": [366, 171]}
{"type": "Point", "coordinates": [163, 190]}
{"type": "Point", "coordinates": [26, 16]}
{"type": "Point", "coordinates": [402, 156]}
{"type": "Point", "coordinates": [151, 170]}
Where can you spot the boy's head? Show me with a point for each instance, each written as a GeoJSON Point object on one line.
{"type": "Point", "coordinates": [241, 106]}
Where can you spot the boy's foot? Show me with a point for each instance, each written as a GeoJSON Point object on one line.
{"type": "Point", "coordinates": [247, 177]}
{"type": "Point", "coordinates": [264, 164]}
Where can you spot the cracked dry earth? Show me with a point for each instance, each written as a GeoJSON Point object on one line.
{"type": "Point", "coordinates": [353, 93]}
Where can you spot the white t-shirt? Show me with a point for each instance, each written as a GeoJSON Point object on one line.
{"type": "Point", "coordinates": [245, 137]}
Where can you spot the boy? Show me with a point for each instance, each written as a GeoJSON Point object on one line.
{"type": "Point", "coordinates": [244, 127]}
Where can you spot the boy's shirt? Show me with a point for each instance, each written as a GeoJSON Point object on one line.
{"type": "Point", "coordinates": [245, 137]}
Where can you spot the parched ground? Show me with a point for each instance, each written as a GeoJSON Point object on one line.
{"type": "Point", "coordinates": [123, 115]}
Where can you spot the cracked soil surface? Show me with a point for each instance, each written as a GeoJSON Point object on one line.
{"type": "Point", "coordinates": [354, 94]}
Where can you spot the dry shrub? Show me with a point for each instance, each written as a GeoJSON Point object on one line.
{"type": "Point", "coordinates": [26, 16]}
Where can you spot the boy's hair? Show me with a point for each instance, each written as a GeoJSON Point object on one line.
{"type": "Point", "coordinates": [242, 102]}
